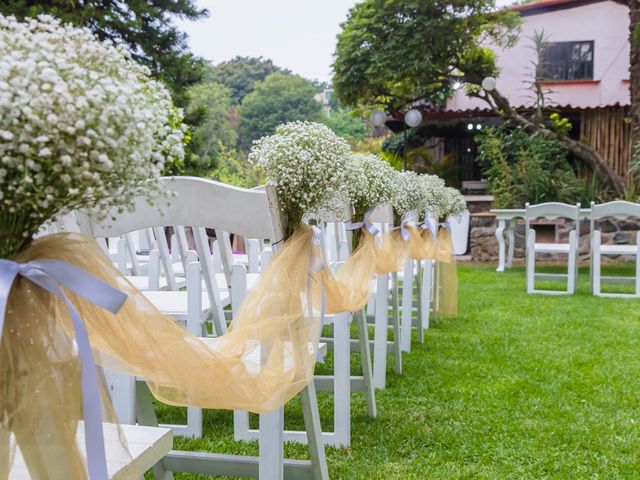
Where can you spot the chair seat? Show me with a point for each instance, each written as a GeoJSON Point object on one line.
{"type": "Point", "coordinates": [552, 247]}
{"type": "Point", "coordinates": [174, 304]}
{"type": "Point", "coordinates": [147, 446]}
{"type": "Point", "coordinates": [618, 249]}
{"type": "Point", "coordinates": [141, 282]}
{"type": "Point", "coordinates": [252, 279]}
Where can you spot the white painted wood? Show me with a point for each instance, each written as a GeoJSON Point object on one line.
{"type": "Point", "coordinates": [342, 380]}
{"type": "Point", "coordinates": [381, 329]}
{"type": "Point", "coordinates": [407, 305]}
{"type": "Point", "coordinates": [272, 445]}
{"type": "Point", "coordinates": [501, 249]}
{"type": "Point", "coordinates": [616, 209]}
{"type": "Point", "coordinates": [552, 210]}
{"type": "Point", "coordinates": [147, 446]}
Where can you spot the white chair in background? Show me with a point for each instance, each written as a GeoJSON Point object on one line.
{"type": "Point", "coordinates": [550, 211]}
{"type": "Point", "coordinates": [617, 209]}
{"type": "Point", "coordinates": [251, 219]}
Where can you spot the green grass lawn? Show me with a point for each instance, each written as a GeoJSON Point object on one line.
{"type": "Point", "coordinates": [516, 386]}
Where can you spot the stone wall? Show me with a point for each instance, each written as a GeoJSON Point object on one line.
{"type": "Point", "coordinates": [484, 245]}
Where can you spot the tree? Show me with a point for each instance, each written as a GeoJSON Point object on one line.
{"type": "Point", "coordinates": [278, 99]}
{"type": "Point", "coordinates": [344, 124]}
{"type": "Point", "coordinates": [392, 52]}
{"type": "Point", "coordinates": [240, 75]}
{"type": "Point", "coordinates": [145, 27]}
{"type": "Point", "coordinates": [214, 134]}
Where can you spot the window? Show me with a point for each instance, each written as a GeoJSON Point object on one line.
{"type": "Point", "coordinates": [568, 61]}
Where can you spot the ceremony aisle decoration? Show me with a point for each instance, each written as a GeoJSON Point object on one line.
{"type": "Point", "coordinates": [310, 170]}
{"type": "Point", "coordinates": [349, 287]}
{"type": "Point", "coordinates": [82, 126]}
{"type": "Point", "coordinates": [422, 244]}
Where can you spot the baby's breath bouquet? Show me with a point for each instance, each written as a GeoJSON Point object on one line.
{"type": "Point", "coordinates": [453, 203]}
{"type": "Point", "coordinates": [309, 166]}
{"type": "Point", "coordinates": [433, 195]}
{"type": "Point", "coordinates": [410, 197]}
{"type": "Point", "coordinates": [82, 126]}
{"type": "Point", "coordinates": [378, 188]}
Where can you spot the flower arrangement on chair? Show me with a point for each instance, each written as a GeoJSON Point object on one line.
{"type": "Point", "coordinates": [82, 125]}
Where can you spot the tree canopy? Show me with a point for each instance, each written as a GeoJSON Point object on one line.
{"type": "Point", "coordinates": [240, 74]}
{"type": "Point", "coordinates": [278, 99]}
{"type": "Point", "coordinates": [214, 133]}
{"type": "Point", "coordinates": [392, 52]}
{"type": "Point", "coordinates": [146, 27]}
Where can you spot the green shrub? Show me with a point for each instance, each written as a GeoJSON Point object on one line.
{"type": "Point", "coordinates": [522, 167]}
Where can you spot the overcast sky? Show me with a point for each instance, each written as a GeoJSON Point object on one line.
{"type": "Point", "coordinates": [296, 34]}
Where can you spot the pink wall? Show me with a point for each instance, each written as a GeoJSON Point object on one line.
{"type": "Point", "coordinates": [606, 23]}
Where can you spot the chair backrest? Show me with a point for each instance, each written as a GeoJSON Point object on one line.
{"type": "Point", "coordinates": [383, 214]}
{"type": "Point", "coordinates": [551, 211]}
{"type": "Point", "coordinates": [197, 202]}
{"type": "Point", "coordinates": [616, 209]}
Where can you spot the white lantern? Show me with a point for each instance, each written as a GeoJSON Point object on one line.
{"type": "Point", "coordinates": [378, 118]}
{"type": "Point", "coordinates": [413, 118]}
{"type": "Point", "coordinates": [489, 84]}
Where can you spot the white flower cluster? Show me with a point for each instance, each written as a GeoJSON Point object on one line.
{"type": "Point", "coordinates": [310, 168]}
{"type": "Point", "coordinates": [379, 182]}
{"type": "Point", "coordinates": [453, 203]}
{"type": "Point", "coordinates": [82, 125]}
{"type": "Point", "coordinates": [433, 195]}
{"type": "Point", "coordinates": [410, 195]}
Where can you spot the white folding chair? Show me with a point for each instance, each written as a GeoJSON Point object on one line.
{"type": "Point", "coordinates": [552, 210]}
{"type": "Point", "coordinates": [251, 218]}
{"type": "Point", "coordinates": [617, 209]}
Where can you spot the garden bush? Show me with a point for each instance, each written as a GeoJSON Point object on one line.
{"type": "Point", "coordinates": [522, 167]}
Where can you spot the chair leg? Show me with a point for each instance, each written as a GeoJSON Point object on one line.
{"type": "Point", "coordinates": [419, 284]}
{"type": "Point", "coordinates": [395, 318]}
{"type": "Point", "coordinates": [314, 432]}
{"type": "Point", "coordinates": [596, 262]}
{"type": "Point", "coordinates": [146, 415]}
{"type": "Point", "coordinates": [572, 264]}
{"type": "Point", "coordinates": [531, 260]}
{"type": "Point", "coordinates": [272, 445]}
{"type": "Point", "coordinates": [365, 359]}
{"type": "Point", "coordinates": [407, 306]}
{"type": "Point", "coordinates": [342, 378]}
{"type": "Point", "coordinates": [427, 284]}
{"type": "Point", "coordinates": [381, 331]}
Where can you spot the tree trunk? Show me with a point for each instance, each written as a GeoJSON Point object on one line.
{"type": "Point", "coordinates": [584, 152]}
{"type": "Point", "coordinates": [634, 70]}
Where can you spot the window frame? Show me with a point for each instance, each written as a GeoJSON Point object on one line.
{"type": "Point", "coordinates": [566, 63]}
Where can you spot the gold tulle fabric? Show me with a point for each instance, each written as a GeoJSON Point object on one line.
{"type": "Point", "coordinates": [447, 274]}
{"type": "Point", "coordinates": [391, 252]}
{"type": "Point", "coordinates": [349, 288]}
{"type": "Point", "coordinates": [422, 245]}
{"type": "Point", "coordinates": [267, 356]}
